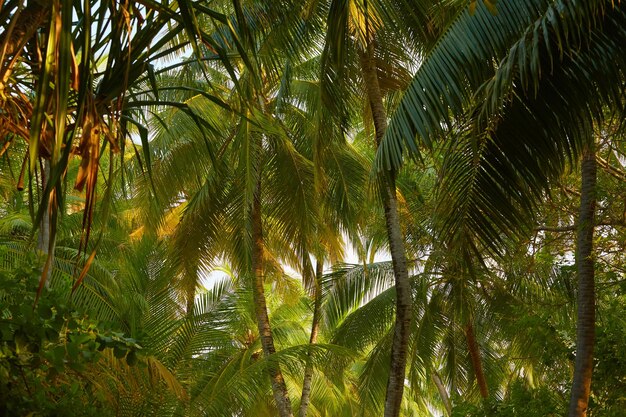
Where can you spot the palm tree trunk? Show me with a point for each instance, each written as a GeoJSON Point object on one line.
{"type": "Point", "coordinates": [315, 325]}
{"type": "Point", "coordinates": [399, 347]}
{"type": "Point", "coordinates": [279, 388]}
{"type": "Point", "coordinates": [31, 18]}
{"type": "Point", "coordinates": [443, 393]}
{"type": "Point", "coordinates": [585, 330]}
{"type": "Point", "coordinates": [44, 236]}
{"type": "Point", "coordinates": [191, 301]}
{"type": "Point", "coordinates": [477, 364]}
{"type": "Point", "coordinates": [189, 280]}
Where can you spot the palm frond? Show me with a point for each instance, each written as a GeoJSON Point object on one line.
{"type": "Point", "coordinates": [497, 166]}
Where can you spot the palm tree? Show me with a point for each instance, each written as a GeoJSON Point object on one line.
{"type": "Point", "coordinates": [585, 329]}
{"type": "Point", "coordinates": [262, 162]}
{"type": "Point", "coordinates": [339, 181]}
{"type": "Point", "coordinates": [77, 73]}
{"type": "Point", "coordinates": [323, 145]}
{"type": "Point", "coordinates": [525, 70]}
{"type": "Point", "coordinates": [375, 36]}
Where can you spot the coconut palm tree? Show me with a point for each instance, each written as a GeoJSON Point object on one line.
{"type": "Point", "coordinates": [366, 43]}
{"type": "Point", "coordinates": [296, 99]}
{"type": "Point", "coordinates": [261, 162]}
{"type": "Point", "coordinates": [520, 67]}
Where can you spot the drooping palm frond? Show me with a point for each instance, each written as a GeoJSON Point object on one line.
{"type": "Point", "coordinates": [144, 388]}
{"type": "Point", "coordinates": [242, 382]}
{"type": "Point", "coordinates": [350, 286]}
{"type": "Point", "coordinates": [521, 95]}
{"type": "Point", "coordinates": [99, 284]}
{"type": "Point", "coordinates": [446, 80]}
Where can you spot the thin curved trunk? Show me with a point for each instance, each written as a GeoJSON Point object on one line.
{"type": "Point", "coordinates": [279, 388]}
{"type": "Point", "coordinates": [399, 347]}
{"type": "Point", "coordinates": [585, 329]}
{"type": "Point", "coordinates": [315, 325]}
{"type": "Point", "coordinates": [477, 364]}
{"type": "Point", "coordinates": [443, 393]}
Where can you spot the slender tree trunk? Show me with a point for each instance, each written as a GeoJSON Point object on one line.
{"type": "Point", "coordinates": [315, 325]}
{"type": "Point", "coordinates": [477, 364]}
{"type": "Point", "coordinates": [189, 280]}
{"type": "Point", "coordinates": [191, 301]}
{"type": "Point", "coordinates": [585, 329]}
{"type": "Point", "coordinates": [44, 245]}
{"type": "Point", "coordinates": [43, 238]}
{"type": "Point", "coordinates": [443, 393]}
{"type": "Point", "coordinates": [279, 388]}
{"type": "Point", "coordinates": [399, 348]}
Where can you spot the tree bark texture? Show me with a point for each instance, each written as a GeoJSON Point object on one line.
{"type": "Point", "coordinates": [585, 264]}
{"type": "Point", "coordinates": [279, 388]}
{"type": "Point", "coordinates": [399, 348]}
{"type": "Point", "coordinates": [315, 325]}
{"type": "Point", "coordinates": [31, 18]}
{"type": "Point", "coordinates": [477, 364]}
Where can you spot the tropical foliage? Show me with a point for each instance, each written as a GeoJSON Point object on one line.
{"type": "Point", "coordinates": [321, 208]}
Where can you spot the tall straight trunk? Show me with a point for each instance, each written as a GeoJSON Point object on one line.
{"type": "Point", "coordinates": [279, 388]}
{"type": "Point", "coordinates": [399, 347]}
{"type": "Point", "coordinates": [477, 364]}
{"type": "Point", "coordinates": [585, 329]}
{"type": "Point", "coordinates": [315, 325]}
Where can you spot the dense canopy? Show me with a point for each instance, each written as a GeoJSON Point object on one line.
{"type": "Point", "coordinates": [312, 207]}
